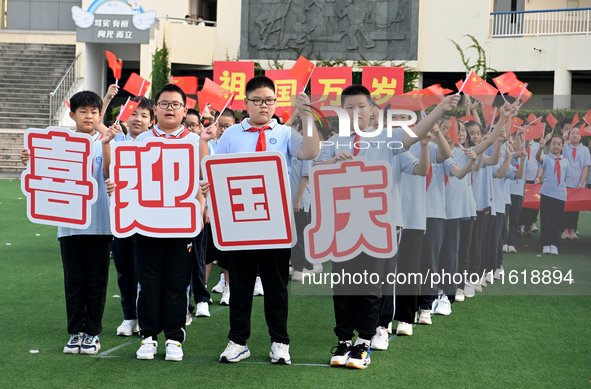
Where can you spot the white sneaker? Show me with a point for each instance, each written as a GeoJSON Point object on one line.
{"type": "Point", "coordinates": [389, 328]}
{"type": "Point", "coordinates": [425, 317]}
{"type": "Point", "coordinates": [189, 319]}
{"type": "Point", "coordinates": [148, 349]}
{"type": "Point", "coordinates": [202, 309]}
{"type": "Point", "coordinates": [512, 249]}
{"type": "Point", "coordinates": [174, 350]}
{"type": "Point", "coordinates": [477, 287]}
{"type": "Point", "coordinates": [553, 250]}
{"type": "Point", "coordinates": [127, 328]}
{"type": "Point", "coordinates": [404, 328]}
{"type": "Point", "coordinates": [460, 295]}
{"type": "Point", "coordinates": [489, 277]}
{"type": "Point", "coordinates": [443, 306]}
{"type": "Point", "coordinates": [226, 295]}
{"type": "Point", "coordinates": [234, 352]}
{"type": "Point", "coordinates": [499, 273]}
{"type": "Point", "coordinates": [469, 290]}
{"type": "Point", "coordinates": [505, 248]}
{"type": "Point", "coordinates": [91, 345]}
{"type": "Point", "coordinates": [380, 340]}
{"type": "Point", "coordinates": [258, 288]}
{"type": "Point", "coordinates": [219, 288]}
{"type": "Point", "coordinates": [483, 282]}
{"type": "Point", "coordinates": [280, 354]}
{"type": "Point", "coordinates": [298, 276]}
{"type": "Point", "coordinates": [74, 344]}
{"type": "Point", "coordinates": [546, 250]}
{"type": "Point", "coordinates": [565, 234]}
{"type": "Point", "coordinates": [534, 228]}
{"type": "Point", "coordinates": [317, 268]}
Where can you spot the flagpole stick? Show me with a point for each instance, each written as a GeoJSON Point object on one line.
{"type": "Point", "coordinates": [503, 96]}
{"type": "Point", "coordinates": [227, 102]}
{"type": "Point", "coordinates": [464, 84]}
{"type": "Point", "coordinates": [309, 78]}
{"type": "Point", "coordinates": [493, 120]}
{"type": "Point", "coordinates": [203, 111]}
{"type": "Point", "coordinates": [141, 88]}
{"type": "Point", "coordinates": [116, 81]}
{"type": "Point", "coordinates": [521, 93]}
{"type": "Point", "coordinates": [122, 109]}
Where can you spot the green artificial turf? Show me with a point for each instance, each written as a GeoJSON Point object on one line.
{"type": "Point", "coordinates": [508, 336]}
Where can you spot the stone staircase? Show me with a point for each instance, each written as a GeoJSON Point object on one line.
{"type": "Point", "coordinates": [28, 73]}
{"type": "Point", "coordinates": [11, 144]}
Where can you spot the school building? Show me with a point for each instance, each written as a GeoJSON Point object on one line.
{"type": "Point", "coordinates": [50, 49]}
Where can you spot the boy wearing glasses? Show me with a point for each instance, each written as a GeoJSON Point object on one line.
{"type": "Point", "coordinates": [164, 264]}
{"type": "Point", "coordinates": [262, 133]}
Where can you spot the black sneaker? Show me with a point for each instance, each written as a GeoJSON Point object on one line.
{"type": "Point", "coordinates": [341, 355]}
{"type": "Point", "coordinates": [359, 358]}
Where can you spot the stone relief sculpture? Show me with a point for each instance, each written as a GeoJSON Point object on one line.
{"type": "Point", "coordinates": [330, 29]}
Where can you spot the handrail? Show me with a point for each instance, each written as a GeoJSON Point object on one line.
{"type": "Point", "coordinates": [539, 10]}
{"type": "Point", "coordinates": [58, 95]}
{"type": "Point", "coordinates": [193, 21]}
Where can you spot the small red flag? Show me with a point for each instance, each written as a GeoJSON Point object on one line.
{"type": "Point", "coordinates": [506, 81]}
{"type": "Point", "coordinates": [531, 118]}
{"type": "Point", "coordinates": [127, 110]}
{"type": "Point", "coordinates": [115, 64]}
{"type": "Point", "coordinates": [187, 83]}
{"type": "Point", "coordinates": [535, 131]}
{"type": "Point", "coordinates": [551, 120]}
{"type": "Point", "coordinates": [520, 89]}
{"type": "Point", "coordinates": [302, 70]}
{"type": "Point", "coordinates": [218, 97]}
{"type": "Point", "coordinates": [286, 114]}
{"type": "Point", "coordinates": [136, 85]}
{"type": "Point", "coordinates": [459, 84]}
{"type": "Point", "coordinates": [452, 132]}
{"type": "Point", "coordinates": [480, 89]}
{"type": "Point", "coordinates": [409, 100]}
{"type": "Point", "coordinates": [191, 103]}
{"type": "Point", "coordinates": [575, 121]}
{"type": "Point", "coordinates": [489, 111]}
{"type": "Point", "coordinates": [432, 95]}
{"type": "Point", "coordinates": [587, 117]}
{"type": "Point", "coordinates": [516, 124]}
{"type": "Point", "coordinates": [584, 130]}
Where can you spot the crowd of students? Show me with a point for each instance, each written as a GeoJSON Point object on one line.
{"type": "Point", "coordinates": [452, 202]}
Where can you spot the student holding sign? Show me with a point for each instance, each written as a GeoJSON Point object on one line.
{"type": "Point", "coordinates": [261, 133]}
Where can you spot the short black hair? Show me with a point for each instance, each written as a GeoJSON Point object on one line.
{"type": "Point", "coordinates": [145, 103]}
{"type": "Point", "coordinates": [355, 90]}
{"type": "Point", "coordinates": [259, 82]}
{"type": "Point", "coordinates": [227, 112]}
{"type": "Point", "coordinates": [557, 136]}
{"type": "Point", "coordinates": [193, 112]}
{"type": "Point", "coordinates": [86, 98]}
{"type": "Point", "coordinates": [171, 88]}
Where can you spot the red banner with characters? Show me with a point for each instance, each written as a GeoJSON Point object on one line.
{"type": "Point", "coordinates": [286, 89]}
{"type": "Point", "coordinates": [233, 76]}
{"type": "Point", "coordinates": [327, 84]}
{"type": "Point", "coordinates": [383, 82]}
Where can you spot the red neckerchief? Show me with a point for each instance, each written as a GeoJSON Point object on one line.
{"type": "Point", "coordinates": [557, 170]}
{"type": "Point", "coordinates": [429, 176]}
{"type": "Point", "coordinates": [184, 133]}
{"type": "Point", "coordinates": [262, 141]}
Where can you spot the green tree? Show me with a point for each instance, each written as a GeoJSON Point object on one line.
{"type": "Point", "coordinates": [160, 69]}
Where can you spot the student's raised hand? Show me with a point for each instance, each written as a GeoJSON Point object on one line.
{"type": "Point", "coordinates": [474, 106]}
{"type": "Point", "coordinates": [302, 102]}
{"type": "Point", "coordinates": [508, 149]}
{"type": "Point", "coordinates": [112, 91]}
{"type": "Point", "coordinates": [109, 135]}
{"type": "Point", "coordinates": [204, 188]}
{"type": "Point", "coordinates": [523, 154]}
{"type": "Point", "coordinates": [506, 110]}
{"type": "Point", "coordinates": [435, 130]}
{"type": "Point", "coordinates": [426, 139]}
{"type": "Point", "coordinates": [545, 140]}
{"type": "Point", "coordinates": [208, 133]}
{"type": "Point", "coordinates": [520, 132]}
{"type": "Point", "coordinates": [25, 156]}
{"type": "Point", "coordinates": [110, 187]}
{"type": "Point", "coordinates": [450, 102]}
{"type": "Point", "coordinates": [470, 154]}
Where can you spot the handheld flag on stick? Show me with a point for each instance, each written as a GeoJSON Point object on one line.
{"type": "Point", "coordinates": [187, 83]}
{"type": "Point", "coordinates": [476, 87]}
{"type": "Point", "coordinates": [551, 120]}
{"type": "Point", "coordinates": [216, 96]}
{"type": "Point", "coordinates": [136, 85]}
{"type": "Point", "coordinates": [126, 111]}
{"type": "Point", "coordinates": [506, 82]}
{"type": "Point", "coordinates": [115, 64]}
{"type": "Point", "coordinates": [575, 121]}
{"type": "Point", "coordinates": [452, 132]}
{"type": "Point", "coordinates": [191, 103]}
{"type": "Point", "coordinates": [302, 71]}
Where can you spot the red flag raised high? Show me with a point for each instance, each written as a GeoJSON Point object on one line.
{"type": "Point", "coordinates": [506, 82]}
{"type": "Point", "coordinates": [575, 121]}
{"type": "Point", "coordinates": [187, 83]}
{"type": "Point", "coordinates": [480, 89]}
{"type": "Point", "coordinates": [136, 85]}
{"type": "Point", "coordinates": [115, 64]}
{"type": "Point", "coordinates": [551, 120]}
{"type": "Point", "coordinates": [218, 97]}
{"type": "Point", "coordinates": [127, 110]}
{"type": "Point", "coordinates": [302, 70]}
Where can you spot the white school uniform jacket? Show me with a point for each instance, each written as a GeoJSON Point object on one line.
{"type": "Point", "coordinates": [100, 223]}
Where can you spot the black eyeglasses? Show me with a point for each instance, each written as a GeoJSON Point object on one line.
{"type": "Point", "coordinates": [192, 125]}
{"type": "Point", "coordinates": [164, 105]}
{"type": "Point", "coordinates": [259, 102]}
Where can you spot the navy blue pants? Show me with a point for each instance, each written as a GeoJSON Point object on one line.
{"type": "Point", "coordinates": [514, 214]}
{"type": "Point", "coordinates": [448, 257]}
{"type": "Point", "coordinates": [430, 259]}
{"type": "Point", "coordinates": [409, 261]}
{"type": "Point", "coordinates": [126, 265]}
{"type": "Point", "coordinates": [551, 219]}
{"type": "Point", "coordinates": [466, 227]}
